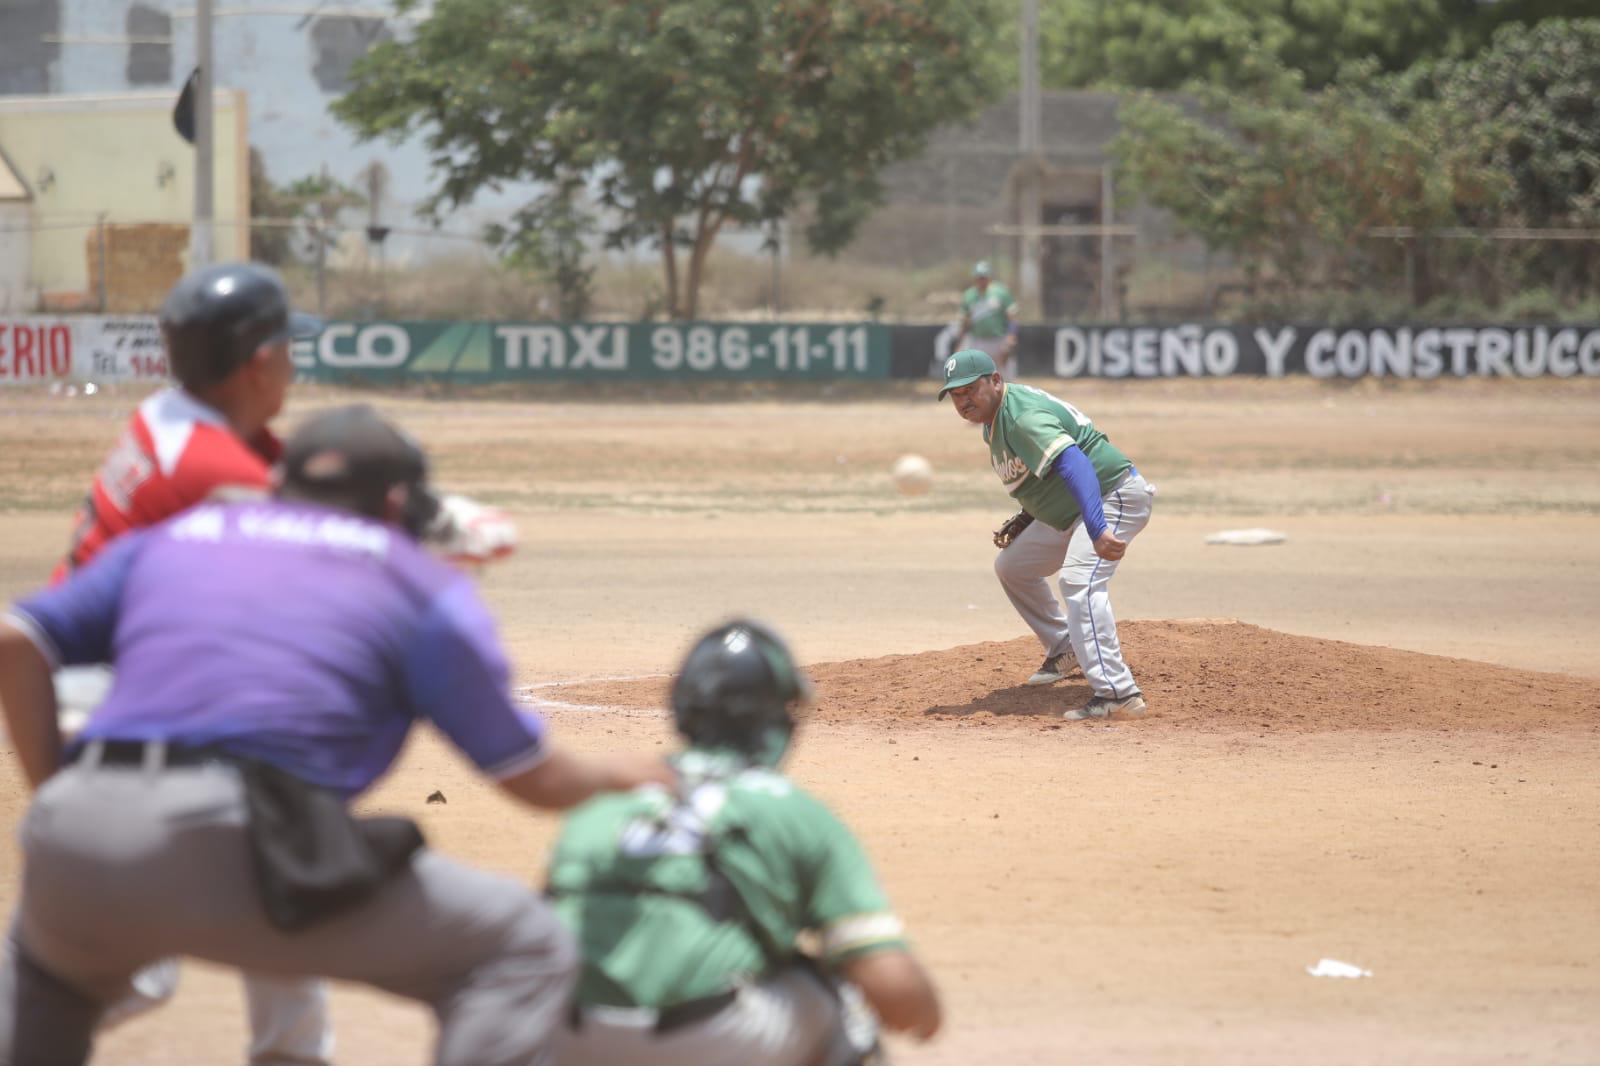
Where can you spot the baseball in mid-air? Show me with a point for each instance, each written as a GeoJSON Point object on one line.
{"type": "Point", "coordinates": [913, 475]}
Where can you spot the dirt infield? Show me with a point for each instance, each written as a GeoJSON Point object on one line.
{"type": "Point", "coordinates": [1199, 675]}
{"type": "Point", "coordinates": [1374, 742]}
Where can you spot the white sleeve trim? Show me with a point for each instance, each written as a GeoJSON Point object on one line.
{"type": "Point", "coordinates": [860, 930]}
{"type": "Point", "coordinates": [1057, 446]}
{"type": "Point", "coordinates": [22, 623]}
{"type": "Point", "coordinates": [520, 763]}
{"type": "Point", "coordinates": [169, 417]}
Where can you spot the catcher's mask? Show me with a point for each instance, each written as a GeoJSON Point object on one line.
{"type": "Point", "coordinates": [351, 457]}
{"type": "Point", "coordinates": [739, 688]}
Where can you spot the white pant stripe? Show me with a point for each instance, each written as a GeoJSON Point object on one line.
{"type": "Point", "coordinates": [1087, 623]}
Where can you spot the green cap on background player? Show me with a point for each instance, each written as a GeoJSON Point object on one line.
{"type": "Point", "coordinates": [965, 367]}
{"type": "Point", "coordinates": [983, 270]}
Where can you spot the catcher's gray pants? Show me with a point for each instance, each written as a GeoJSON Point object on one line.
{"type": "Point", "coordinates": [126, 865]}
{"type": "Point", "coordinates": [1087, 625]}
{"type": "Point", "coordinates": [790, 1019]}
{"type": "Point", "coordinates": [288, 1015]}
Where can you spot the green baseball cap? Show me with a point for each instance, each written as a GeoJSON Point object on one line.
{"type": "Point", "coordinates": [983, 269]}
{"type": "Point", "coordinates": [965, 367]}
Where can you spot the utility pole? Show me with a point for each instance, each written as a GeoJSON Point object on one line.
{"type": "Point", "coordinates": [322, 245]}
{"type": "Point", "coordinates": [776, 243]}
{"type": "Point", "coordinates": [1107, 271]}
{"type": "Point", "coordinates": [1028, 136]}
{"type": "Point", "coordinates": [200, 230]}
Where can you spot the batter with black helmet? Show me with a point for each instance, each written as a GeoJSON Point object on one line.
{"type": "Point", "coordinates": [271, 657]}
{"type": "Point", "coordinates": [227, 330]}
{"type": "Point", "coordinates": [688, 903]}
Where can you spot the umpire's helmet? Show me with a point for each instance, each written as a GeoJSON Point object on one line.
{"type": "Point", "coordinates": [216, 318]}
{"type": "Point", "coordinates": [737, 687]}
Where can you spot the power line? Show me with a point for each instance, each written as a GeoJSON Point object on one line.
{"type": "Point", "coordinates": [1500, 233]}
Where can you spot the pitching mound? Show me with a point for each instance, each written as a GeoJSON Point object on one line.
{"type": "Point", "coordinates": [1211, 675]}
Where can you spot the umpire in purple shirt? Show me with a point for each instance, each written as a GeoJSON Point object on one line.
{"type": "Point", "coordinates": [271, 657]}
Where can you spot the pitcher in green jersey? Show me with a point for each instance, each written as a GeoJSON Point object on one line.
{"type": "Point", "coordinates": [1087, 500]}
{"type": "Point", "coordinates": [688, 905]}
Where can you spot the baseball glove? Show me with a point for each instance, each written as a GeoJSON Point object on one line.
{"type": "Point", "coordinates": [1011, 528]}
{"type": "Point", "coordinates": [469, 532]}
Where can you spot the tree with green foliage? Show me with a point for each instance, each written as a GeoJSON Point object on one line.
{"type": "Point", "coordinates": [549, 238]}
{"type": "Point", "coordinates": [1295, 182]}
{"type": "Point", "coordinates": [317, 200]}
{"type": "Point", "coordinates": [1541, 86]}
{"type": "Point", "coordinates": [677, 118]}
{"type": "Point", "coordinates": [269, 243]}
{"type": "Point", "coordinates": [303, 212]}
{"type": "Point", "coordinates": [1168, 44]}
{"type": "Point", "coordinates": [1291, 182]}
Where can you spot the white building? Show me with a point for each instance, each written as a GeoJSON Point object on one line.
{"type": "Point", "coordinates": [292, 60]}
{"type": "Point", "coordinates": [15, 291]}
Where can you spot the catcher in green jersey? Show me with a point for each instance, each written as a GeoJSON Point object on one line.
{"type": "Point", "coordinates": [688, 905]}
{"type": "Point", "coordinates": [1087, 501]}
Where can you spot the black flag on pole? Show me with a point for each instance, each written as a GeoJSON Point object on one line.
{"type": "Point", "coordinates": [183, 112]}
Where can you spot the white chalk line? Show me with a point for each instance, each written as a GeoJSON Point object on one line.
{"type": "Point", "coordinates": [527, 694]}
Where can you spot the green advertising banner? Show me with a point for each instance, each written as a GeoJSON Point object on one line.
{"type": "Point", "coordinates": [592, 351]}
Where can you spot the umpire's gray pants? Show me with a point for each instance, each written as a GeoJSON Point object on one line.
{"type": "Point", "coordinates": [124, 865]}
{"type": "Point", "coordinates": [288, 1015]}
{"type": "Point", "coordinates": [1087, 625]}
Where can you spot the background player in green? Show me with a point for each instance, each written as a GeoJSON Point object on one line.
{"type": "Point", "coordinates": [989, 318]}
{"type": "Point", "coordinates": [1088, 501]}
{"type": "Point", "coordinates": [687, 906]}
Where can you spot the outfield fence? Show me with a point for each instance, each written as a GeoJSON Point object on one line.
{"type": "Point", "coordinates": [104, 348]}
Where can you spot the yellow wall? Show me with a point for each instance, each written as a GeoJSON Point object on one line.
{"type": "Point", "coordinates": [107, 155]}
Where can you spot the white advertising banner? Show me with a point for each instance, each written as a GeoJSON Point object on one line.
{"type": "Point", "coordinates": [39, 348]}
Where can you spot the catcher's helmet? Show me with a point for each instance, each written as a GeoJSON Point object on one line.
{"type": "Point", "coordinates": [216, 318]}
{"type": "Point", "coordinates": [737, 685]}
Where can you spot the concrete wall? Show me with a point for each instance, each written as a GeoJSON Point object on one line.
{"type": "Point", "coordinates": [115, 158]}
{"type": "Point", "coordinates": [15, 244]}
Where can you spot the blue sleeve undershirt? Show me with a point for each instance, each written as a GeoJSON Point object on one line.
{"type": "Point", "coordinates": [1074, 468]}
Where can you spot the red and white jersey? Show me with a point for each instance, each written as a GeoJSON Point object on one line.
{"type": "Point", "coordinates": [175, 452]}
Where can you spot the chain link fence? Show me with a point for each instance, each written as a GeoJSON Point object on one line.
{"type": "Point", "coordinates": [909, 265]}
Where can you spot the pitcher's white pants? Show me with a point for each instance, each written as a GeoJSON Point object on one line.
{"type": "Point", "coordinates": [1087, 624]}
